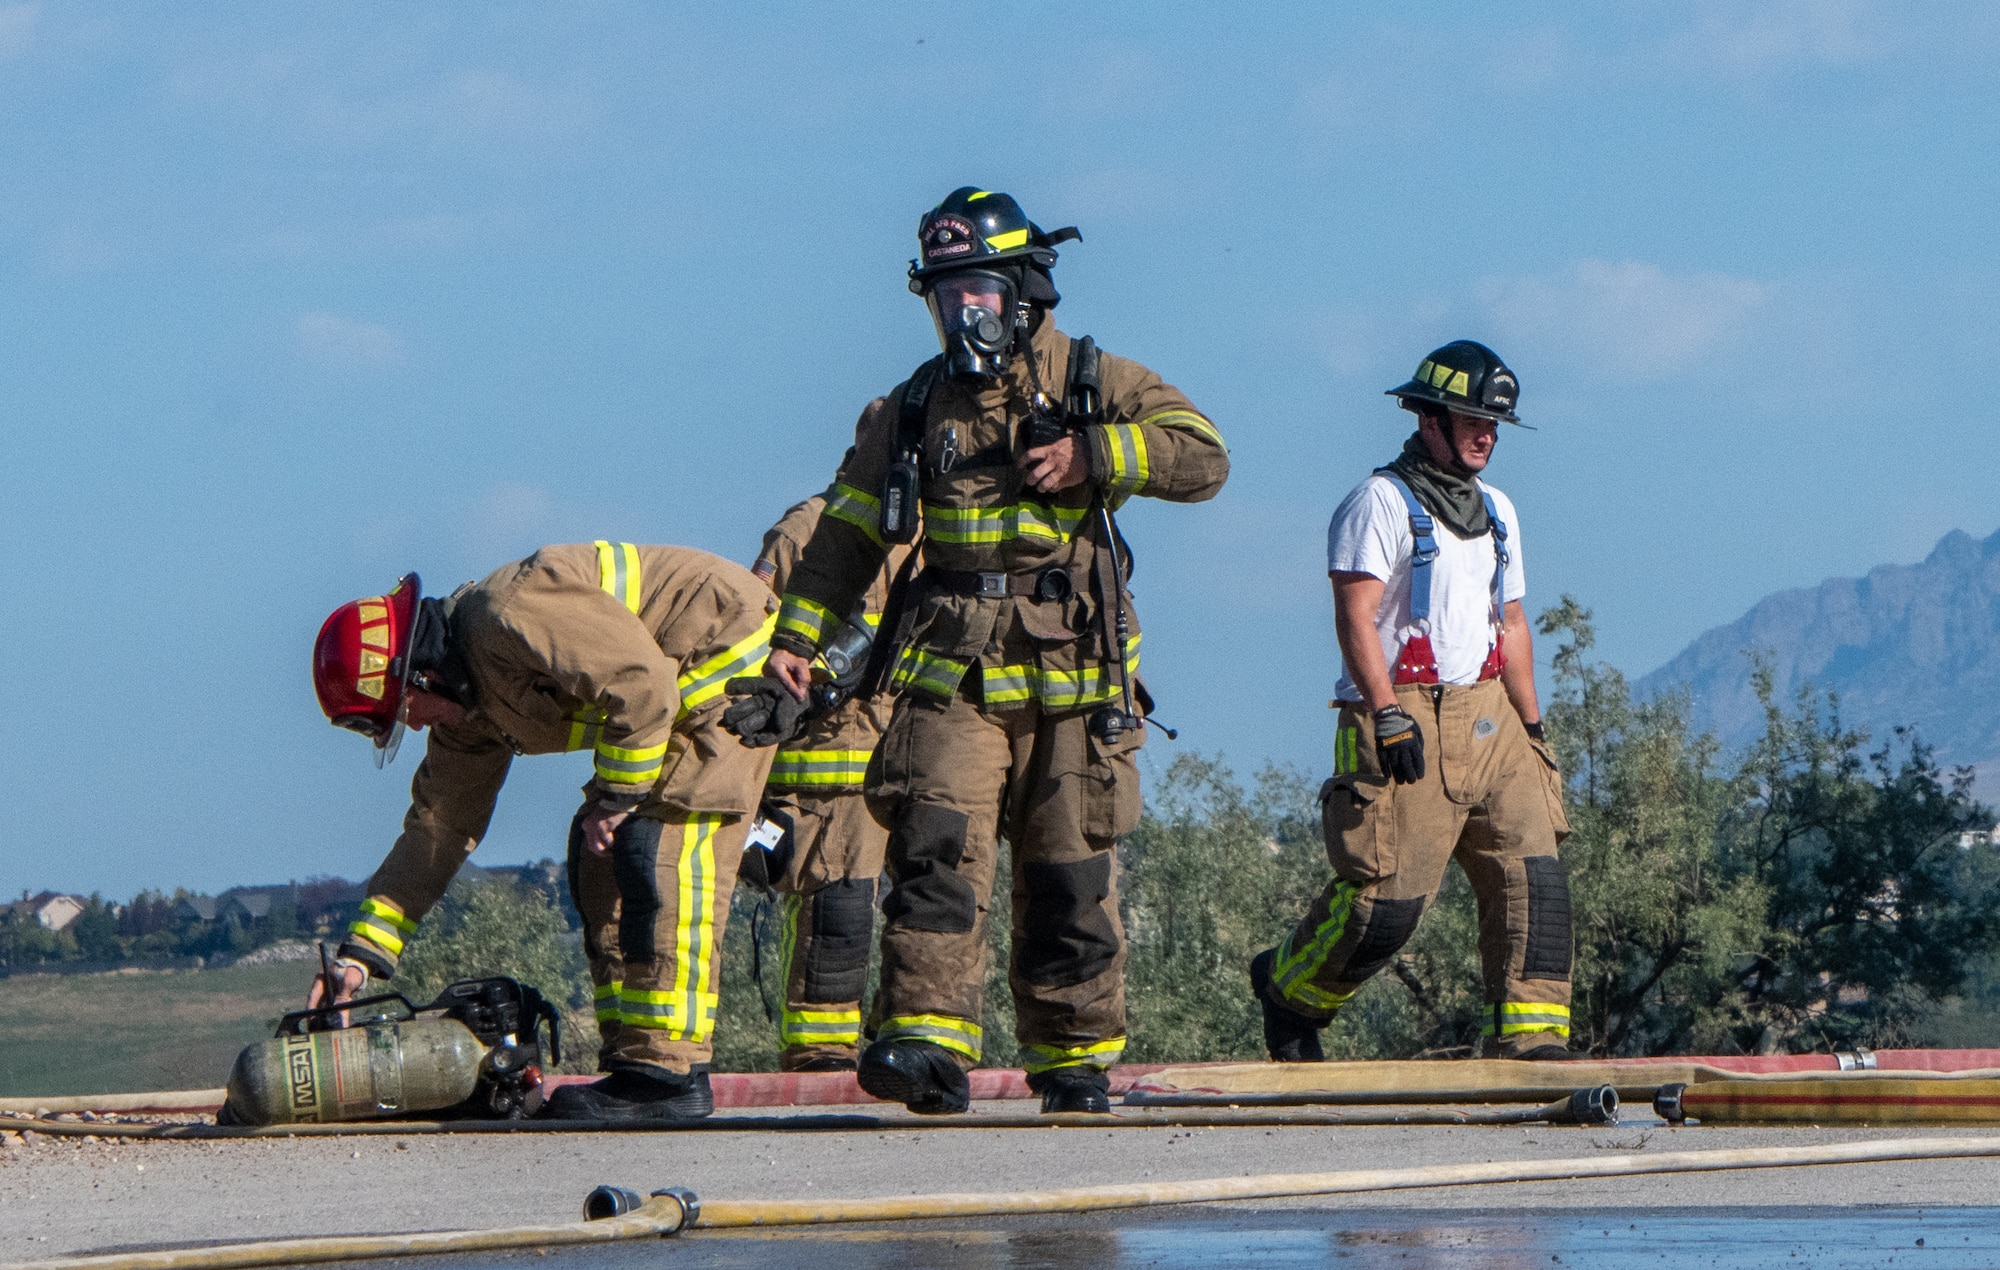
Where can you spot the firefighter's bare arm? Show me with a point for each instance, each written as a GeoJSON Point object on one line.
{"type": "Point", "coordinates": [1153, 442]}
{"type": "Point", "coordinates": [1356, 599]}
{"type": "Point", "coordinates": [1517, 642]}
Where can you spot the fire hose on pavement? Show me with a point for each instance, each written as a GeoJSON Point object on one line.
{"type": "Point", "coordinates": [614, 1214]}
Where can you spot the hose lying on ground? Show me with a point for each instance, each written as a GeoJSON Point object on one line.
{"type": "Point", "coordinates": [670, 1212]}
{"type": "Point", "coordinates": [1584, 1106]}
{"type": "Point", "coordinates": [1888, 1099]}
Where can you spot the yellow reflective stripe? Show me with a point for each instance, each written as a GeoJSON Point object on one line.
{"type": "Point", "coordinates": [686, 1012]}
{"type": "Point", "coordinates": [1128, 458]}
{"type": "Point", "coordinates": [857, 508]}
{"type": "Point", "coordinates": [804, 618]}
{"type": "Point", "coordinates": [971, 526]}
{"type": "Point", "coordinates": [389, 911]}
{"type": "Point", "coordinates": [607, 1001]}
{"type": "Point", "coordinates": [932, 672]}
{"type": "Point", "coordinates": [746, 656]}
{"type": "Point", "coordinates": [619, 766]}
{"type": "Point", "coordinates": [1008, 241]}
{"type": "Point", "coordinates": [820, 1027]}
{"type": "Point", "coordinates": [819, 767]}
{"type": "Point", "coordinates": [1187, 421]}
{"type": "Point", "coordinates": [1513, 1018]}
{"type": "Point", "coordinates": [1100, 1054]}
{"type": "Point", "coordinates": [1055, 689]}
{"type": "Point", "coordinates": [959, 1035]}
{"type": "Point", "coordinates": [585, 727]}
{"type": "Point", "coordinates": [373, 930]}
{"type": "Point", "coordinates": [618, 572]}
{"type": "Point", "coordinates": [1293, 970]}
{"type": "Point", "coordinates": [1346, 751]}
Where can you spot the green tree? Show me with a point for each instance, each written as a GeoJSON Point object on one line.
{"type": "Point", "coordinates": [497, 926]}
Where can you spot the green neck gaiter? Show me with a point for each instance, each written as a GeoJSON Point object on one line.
{"type": "Point", "coordinates": [1453, 499]}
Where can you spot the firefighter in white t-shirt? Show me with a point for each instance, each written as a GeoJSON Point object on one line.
{"type": "Point", "coordinates": [1439, 754]}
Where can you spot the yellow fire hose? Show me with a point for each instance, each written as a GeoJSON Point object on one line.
{"type": "Point", "coordinates": [172, 1100]}
{"type": "Point", "coordinates": [671, 1212]}
{"type": "Point", "coordinates": [1584, 1106]}
{"type": "Point", "coordinates": [1884, 1098]}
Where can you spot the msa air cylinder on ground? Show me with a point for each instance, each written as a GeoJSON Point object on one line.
{"type": "Point", "coordinates": [389, 1068]}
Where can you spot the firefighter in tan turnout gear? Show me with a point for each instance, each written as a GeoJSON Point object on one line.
{"type": "Point", "coordinates": [829, 855]}
{"type": "Point", "coordinates": [619, 649]}
{"type": "Point", "coordinates": [1017, 714]}
{"type": "Point", "coordinates": [1438, 753]}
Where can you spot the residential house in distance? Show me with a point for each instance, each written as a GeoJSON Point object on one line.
{"type": "Point", "coordinates": [52, 909]}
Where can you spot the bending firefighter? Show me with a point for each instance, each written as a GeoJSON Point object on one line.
{"type": "Point", "coordinates": [1438, 754]}
{"type": "Point", "coordinates": [827, 850]}
{"type": "Point", "coordinates": [619, 649]}
{"type": "Point", "coordinates": [1015, 653]}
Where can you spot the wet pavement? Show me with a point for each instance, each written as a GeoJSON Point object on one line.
{"type": "Point", "coordinates": [1493, 1239]}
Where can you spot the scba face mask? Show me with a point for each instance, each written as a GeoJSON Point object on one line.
{"type": "Point", "coordinates": [977, 313]}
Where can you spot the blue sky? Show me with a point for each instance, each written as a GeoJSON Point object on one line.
{"type": "Point", "coordinates": [296, 297]}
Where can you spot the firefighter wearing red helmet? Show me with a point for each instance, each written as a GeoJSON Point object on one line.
{"type": "Point", "coordinates": [1018, 713]}
{"type": "Point", "coordinates": [623, 650]}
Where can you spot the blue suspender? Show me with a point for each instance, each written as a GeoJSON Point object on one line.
{"type": "Point", "coordinates": [1425, 550]}
{"type": "Point", "coordinates": [1499, 554]}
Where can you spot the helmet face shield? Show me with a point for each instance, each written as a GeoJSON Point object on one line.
{"type": "Point", "coordinates": [974, 312]}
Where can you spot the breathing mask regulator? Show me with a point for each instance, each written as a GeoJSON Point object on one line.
{"type": "Point", "coordinates": [983, 269]}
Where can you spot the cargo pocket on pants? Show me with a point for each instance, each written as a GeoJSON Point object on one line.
{"type": "Point", "coordinates": [1112, 802]}
{"type": "Point", "coordinates": [1552, 787]}
{"type": "Point", "coordinates": [1357, 821]}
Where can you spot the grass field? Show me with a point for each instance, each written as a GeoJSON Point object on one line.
{"type": "Point", "coordinates": [137, 1030]}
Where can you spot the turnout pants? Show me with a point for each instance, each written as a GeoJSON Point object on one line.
{"type": "Point", "coordinates": [827, 906]}
{"type": "Point", "coordinates": [654, 910]}
{"type": "Point", "coordinates": [1490, 799]}
{"type": "Point", "coordinates": [950, 780]}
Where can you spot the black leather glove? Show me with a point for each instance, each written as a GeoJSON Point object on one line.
{"type": "Point", "coordinates": [1399, 745]}
{"type": "Point", "coordinates": [765, 712]}
{"type": "Point", "coordinates": [1535, 731]}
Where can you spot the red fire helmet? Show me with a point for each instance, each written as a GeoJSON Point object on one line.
{"type": "Point", "coordinates": [361, 665]}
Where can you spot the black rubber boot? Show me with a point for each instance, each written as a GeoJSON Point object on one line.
{"type": "Point", "coordinates": [922, 1076]}
{"type": "Point", "coordinates": [1550, 1054]}
{"type": "Point", "coordinates": [1073, 1089]}
{"type": "Point", "coordinates": [1288, 1036]}
{"type": "Point", "coordinates": [634, 1098]}
{"type": "Point", "coordinates": [826, 1064]}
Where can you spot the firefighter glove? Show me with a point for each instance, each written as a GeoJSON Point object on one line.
{"type": "Point", "coordinates": [1399, 745]}
{"type": "Point", "coordinates": [764, 713]}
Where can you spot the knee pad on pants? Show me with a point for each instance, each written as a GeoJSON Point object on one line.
{"type": "Point", "coordinates": [1067, 938]}
{"type": "Point", "coordinates": [1390, 925]}
{"type": "Point", "coordinates": [924, 850]}
{"type": "Point", "coordinates": [1550, 943]}
{"type": "Point", "coordinates": [843, 923]}
{"type": "Point", "coordinates": [635, 854]}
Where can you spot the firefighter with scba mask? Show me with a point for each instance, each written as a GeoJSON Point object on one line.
{"type": "Point", "coordinates": [1014, 655]}
{"type": "Point", "coordinates": [626, 651]}
{"type": "Point", "coordinates": [1438, 752]}
{"type": "Point", "coordinates": [815, 843]}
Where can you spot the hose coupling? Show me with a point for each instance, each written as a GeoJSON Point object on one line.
{"type": "Point", "coordinates": [617, 1201]}
{"type": "Point", "coordinates": [1597, 1105]}
{"type": "Point", "coordinates": [1667, 1104]}
{"type": "Point", "coordinates": [690, 1207]}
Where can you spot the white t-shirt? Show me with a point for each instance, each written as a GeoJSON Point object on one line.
{"type": "Point", "coordinates": [1370, 534]}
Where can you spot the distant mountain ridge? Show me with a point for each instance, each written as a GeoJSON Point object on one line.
{"type": "Point", "coordinates": [1907, 644]}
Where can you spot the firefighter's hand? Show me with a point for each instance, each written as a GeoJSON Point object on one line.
{"type": "Point", "coordinates": [792, 670]}
{"type": "Point", "coordinates": [600, 824]}
{"type": "Point", "coordinates": [1399, 745]}
{"type": "Point", "coordinates": [351, 974]}
{"type": "Point", "coordinates": [1059, 466]}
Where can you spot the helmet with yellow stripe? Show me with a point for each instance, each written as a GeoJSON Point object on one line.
{"type": "Point", "coordinates": [983, 269]}
{"type": "Point", "coordinates": [361, 664]}
{"type": "Point", "coordinates": [1465, 377]}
